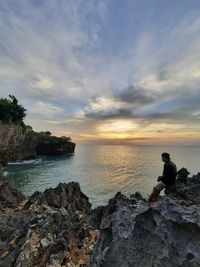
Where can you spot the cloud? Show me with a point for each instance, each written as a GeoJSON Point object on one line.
{"type": "Point", "coordinates": [42, 82]}
{"type": "Point", "coordinates": [135, 95]}
{"type": "Point", "coordinates": [75, 65]}
{"type": "Point", "coordinates": [46, 108]}
{"type": "Point", "coordinates": [119, 126]}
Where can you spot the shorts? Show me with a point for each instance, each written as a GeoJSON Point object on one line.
{"type": "Point", "coordinates": [160, 186]}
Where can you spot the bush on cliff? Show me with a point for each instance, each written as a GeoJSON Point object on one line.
{"type": "Point", "coordinates": [11, 111]}
{"type": "Point", "coordinates": [47, 136]}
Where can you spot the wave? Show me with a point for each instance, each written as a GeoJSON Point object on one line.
{"type": "Point", "coordinates": [24, 162]}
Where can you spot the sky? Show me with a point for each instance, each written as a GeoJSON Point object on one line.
{"type": "Point", "coordinates": [107, 71]}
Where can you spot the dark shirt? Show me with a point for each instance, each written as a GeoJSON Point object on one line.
{"type": "Point", "coordinates": [169, 173]}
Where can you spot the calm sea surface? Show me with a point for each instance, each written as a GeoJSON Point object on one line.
{"type": "Point", "coordinates": [102, 170]}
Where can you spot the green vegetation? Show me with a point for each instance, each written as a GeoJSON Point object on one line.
{"type": "Point", "coordinates": [67, 138]}
{"type": "Point", "coordinates": [47, 136]}
{"type": "Point", "coordinates": [26, 128]}
{"type": "Point", "coordinates": [11, 111]}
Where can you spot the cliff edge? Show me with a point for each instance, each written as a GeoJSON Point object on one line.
{"type": "Point", "coordinates": [57, 228]}
{"type": "Point", "coordinates": [165, 234]}
{"type": "Point", "coordinates": [18, 141]}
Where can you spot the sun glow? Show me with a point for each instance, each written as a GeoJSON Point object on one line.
{"type": "Point", "coordinates": [117, 126]}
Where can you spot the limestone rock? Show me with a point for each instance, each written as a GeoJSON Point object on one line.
{"type": "Point", "coordinates": [68, 196]}
{"type": "Point", "coordinates": [166, 234]}
{"type": "Point", "coordinates": [52, 229]}
{"type": "Point", "coordinates": [17, 145]}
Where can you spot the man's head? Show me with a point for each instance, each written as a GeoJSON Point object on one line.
{"type": "Point", "coordinates": [165, 157]}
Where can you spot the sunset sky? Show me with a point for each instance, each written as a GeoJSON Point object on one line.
{"type": "Point", "coordinates": [104, 70]}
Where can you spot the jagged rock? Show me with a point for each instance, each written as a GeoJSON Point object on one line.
{"type": "Point", "coordinates": [189, 190]}
{"type": "Point", "coordinates": [52, 229]}
{"type": "Point", "coordinates": [132, 234]}
{"type": "Point", "coordinates": [68, 196]}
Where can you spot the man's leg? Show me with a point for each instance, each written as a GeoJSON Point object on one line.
{"type": "Point", "coordinates": [154, 195]}
{"type": "Point", "coordinates": [156, 191]}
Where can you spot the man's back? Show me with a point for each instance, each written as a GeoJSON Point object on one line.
{"type": "Point", "coordinates": [169, 173]}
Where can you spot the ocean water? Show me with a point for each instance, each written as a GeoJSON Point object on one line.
{"type": "Point", "coordinates": [102, 170]}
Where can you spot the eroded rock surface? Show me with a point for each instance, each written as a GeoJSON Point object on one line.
{"type": "Point", "coordinates": [15, 145]}
{"type": "Point", "coordinates": [50, 230]}
{"type": "Point", "coordinates": [166, 234]}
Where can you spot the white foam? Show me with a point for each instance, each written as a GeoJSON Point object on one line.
{"type": "Point", "coordinates": [23, 162]}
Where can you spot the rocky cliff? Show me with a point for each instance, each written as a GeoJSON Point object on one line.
{"type": "Point", "coordinates": [57, 228]}
{"type": "Point", "coordinates": [51, 229]}
{"type": "Point", "coordinates": [165, 234]}
{"type": "Point", "coordinates": [15, 144]}
{"type": "Point", "coordinates": [54, 146]}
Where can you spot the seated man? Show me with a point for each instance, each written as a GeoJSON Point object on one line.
{"type": "Point", "coordinates": [167, 179]}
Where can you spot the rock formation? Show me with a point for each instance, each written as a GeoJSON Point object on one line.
{"type": "Point", "coordinates": [165, 234]}
{"type": "Point", "coordinates": [54, 146]}
{"type": "Point", "coordinates": [51, 229]}
{"type": "Point", "coordinates": [15, 144]}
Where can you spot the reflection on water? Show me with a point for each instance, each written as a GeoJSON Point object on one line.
{"type": "Point", "coordinates": [102, 170]}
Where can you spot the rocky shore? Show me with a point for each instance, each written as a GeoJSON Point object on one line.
{"type": "Point", "coordinates": [165, 234]}
{"type": "Point", "coordinates": [18, 144]}
{"type": "Point", "coordinates": [58, 228]}
{"type": "Point", "coordinates": [49, 229]}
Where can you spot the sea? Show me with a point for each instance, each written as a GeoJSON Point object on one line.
{"type": "Point", "coordinates": [102, 170]}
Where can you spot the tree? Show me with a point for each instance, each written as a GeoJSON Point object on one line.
{"type": "Point", "coordinates": [11, 111]}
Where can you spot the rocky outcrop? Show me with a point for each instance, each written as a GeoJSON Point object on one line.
{"type": "Point", "coordinates": [189, 191]}
{"type": "Point", "coordinates": [50, 230]}
{"type": "Point", "coordinates": [67, 196]}
{"type": "Point", "coordinates": [54, 147]}
{"type": "Point", "coordinates": [165, 234]}
{"type": "Point", "coordinates": [15, 144]}
{"type": "Point", "coordinates": [53, 228]}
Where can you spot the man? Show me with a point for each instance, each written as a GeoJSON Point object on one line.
{"type": "Point", "coordinates": [168, 178]}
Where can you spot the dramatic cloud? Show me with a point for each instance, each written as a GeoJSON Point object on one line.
{"type": "Point", "coordinates": [104, 69]}
{"type": "Point", "coordinates": [136, 95]}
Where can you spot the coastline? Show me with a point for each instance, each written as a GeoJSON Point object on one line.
{"type": "Point", "coordinates": [18, 143]}
{"type": "Point", "coordinates": [62, 230]}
